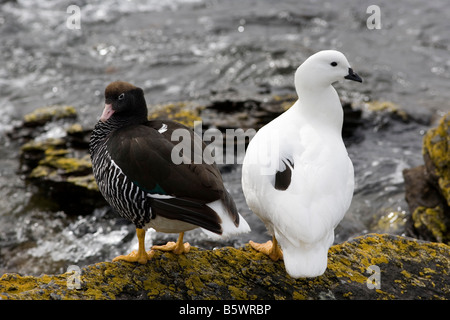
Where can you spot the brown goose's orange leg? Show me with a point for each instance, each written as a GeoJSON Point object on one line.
{"type": "Point", "coordinates": [178, 248]}
{"type": "Point", "coordinates": [141, 255]}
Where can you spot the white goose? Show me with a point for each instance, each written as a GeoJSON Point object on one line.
{"type": "Point", "coordinates": [296, 175]}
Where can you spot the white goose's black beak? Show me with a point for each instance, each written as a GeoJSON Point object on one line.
{"type": "Point", "coordinates": [353, 75]}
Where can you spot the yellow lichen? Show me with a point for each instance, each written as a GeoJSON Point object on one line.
{"type": "Point", "coordinates": [432, 219]}
{"type": "Point", "coordinates": [436, 146]}
{"type": "Point", "coordinates": [42, 146]}
{"type": "Point", "coordinates": [56, 161]}
{"type": "Point", "coordinates": [229, 273]}
{"type": "Point", "coordinates": [298, 296]}
{"type": "Point", "coordinates": [45, 114]}
{"type": "Point", "coordinates": [87, 182]}
{"type": "Point", "coordinates": [183, 112]}
{"type": "Point", "coordinates": [237, 293]}
{"type": "Point", "coordinates": [75, 128]}
{"type": "Point", "coordinates": [71, 165]}
{"type": "Point", "coordinates": [41, 172]}
{"type": "Point", "coordinates": [387, 106]}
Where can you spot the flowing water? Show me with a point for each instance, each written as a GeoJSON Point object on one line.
{"type": "Point", "coordinates": [201, 50]}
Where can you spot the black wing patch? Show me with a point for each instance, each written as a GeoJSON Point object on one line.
{"type": "Point", "coordinates": [143, 153]}
{"type": "Point", "coordinates": [283, 178]}
{"type": "Point", "coordinates": [188, 211]}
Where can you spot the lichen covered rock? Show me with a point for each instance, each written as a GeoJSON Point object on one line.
{"type": "Point", "coordinates": [427, 187]}
{"type": "Point", "coordinates": [369, 267]}
{"type": "Point", "coordinates": [431, 221]}
{"type": "Point", "coordinates": [42, 115]}
{"type": "Point", "coordinates": [436, 153]}
{"type": "Point", "coordinates": [182, 112]}
{"type": "Point", "coordinates": [378, 108]}
{"type": "Point", "coordinates": [60, 166]}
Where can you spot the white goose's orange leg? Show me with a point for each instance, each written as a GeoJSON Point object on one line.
{"type": "Point", "coordinates": [178, 248]}
{"type": "Point", "coordinates": [269, 248]}
{"type": "Point", "coordinates": [141, 255]}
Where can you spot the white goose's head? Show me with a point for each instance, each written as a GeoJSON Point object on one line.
{"type": "Point", "coordinates": [322, 69]}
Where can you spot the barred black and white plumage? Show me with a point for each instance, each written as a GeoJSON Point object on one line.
{"type": "Point", "coordinates": [131, 160]}
{"type": "Point", "coordinates": [120, 192]}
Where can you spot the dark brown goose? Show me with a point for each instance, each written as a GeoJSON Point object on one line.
{"type": "Point", "coordinates": [133, 167]}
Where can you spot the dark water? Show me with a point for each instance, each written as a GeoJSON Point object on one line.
{"type": "Point", "coordinates": [200, 50]}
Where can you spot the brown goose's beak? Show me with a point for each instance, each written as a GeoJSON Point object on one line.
{"type": "Point", "coordinates": [107, 112]}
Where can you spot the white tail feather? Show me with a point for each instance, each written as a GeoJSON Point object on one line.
{"type": "Point", "coordinates": [228, 226]}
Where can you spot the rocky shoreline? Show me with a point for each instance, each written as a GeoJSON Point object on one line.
{"type": "Point", "coordinates": [54, 158]}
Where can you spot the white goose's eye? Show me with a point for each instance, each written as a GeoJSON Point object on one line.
{"type": "Point", "coordinates": [334, 64]}
{"type": "Point", "coordinates": [121, 96]}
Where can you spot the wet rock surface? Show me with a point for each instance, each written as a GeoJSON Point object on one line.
{"type": "Point", "coordinates": [374, 266]}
